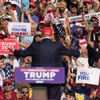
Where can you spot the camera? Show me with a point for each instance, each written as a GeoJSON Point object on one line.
{"type": "Point", "coordinates": [8, 8]}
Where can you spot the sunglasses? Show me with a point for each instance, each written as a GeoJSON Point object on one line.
{"type": "Point", "coordinates": [32, 7]}
{"type": "Point", "coordinates": [23, 92]}
{"type": "Point", "coordinates": [74, 6]}
{"type": "Point", "coordinates": [78, 31]}
{"type": "Point", "coordinates": [7, 84]}
{"type": "Point", "coordinates": [94, 20]}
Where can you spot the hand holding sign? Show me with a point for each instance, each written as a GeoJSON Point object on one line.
{"type": "Point", "coordinates": [11, 48]}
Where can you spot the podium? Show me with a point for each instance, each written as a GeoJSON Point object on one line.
{"type": "Point", "coordinates": [39, 93]}
{"type": "Point", "coordinates": [39, 77]}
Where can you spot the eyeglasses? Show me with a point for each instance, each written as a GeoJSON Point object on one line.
{"type": "Point", "coordinates": [24, 92]}
{"type": "Point", "coordinates": [7, 84]}
{"type": "Point", "coordinates": [78, 31]}
{"type": "Point", "coordinates": [32, 7]}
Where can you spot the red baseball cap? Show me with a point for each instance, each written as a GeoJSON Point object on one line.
{"type": "Point", "coordinates": [32, 4]}
{"type": "Point", "coordinates": [95, 17]}
{"type": "Point", "coordinates": [42, 22]}
{"type": "Point", "coordinates": [7, 80]}
{"type": "Point", "coordinates": [88, 1]}
{"type": "Point", "coordinates": [43, 1]}
{"type": "Point", "coordinates": [47, 31]}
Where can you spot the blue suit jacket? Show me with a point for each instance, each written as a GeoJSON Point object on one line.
{"type": "Point", "coordinates": [46, 53]}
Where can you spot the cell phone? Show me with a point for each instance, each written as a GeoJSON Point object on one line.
{"type": "Point", "coordinates": [7, 61]}
{"type": "Point", "coordinates": [8, 8]}
{"type": "Point", "coordinates": [61, 20]}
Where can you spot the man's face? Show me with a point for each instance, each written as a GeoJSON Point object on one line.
{"type": "Point", "coordinates": [7, 87]}
{"type": "Point", "coordinates": [28, 59]}
{"type": "Point", "coordinates": [95, 22]}
{"type": "Point", "coordinates": [89, 6]}
{"type": "Point", "coordinates": [32, 9]}
{"type": "Point", "coordinates": [25, 93]}
{"type": "Point", "coordinates": [73, 8]}
{"type": "Point", "coordinates": [62, 6]}
{"type": "Point", "coordinates": [33, 29]}
{"type": "Point", "coordinates": [78, 86]}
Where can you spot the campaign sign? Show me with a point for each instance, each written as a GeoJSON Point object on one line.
{"type": "Point", "coordinates": [16, 2]}
{"type": "Point", "coordinates": [54, 75]}
{"type": "Point", "coordinates": [4, 44]}
{"type": "Point", "coordinates": [19, 28]}
{"type": "Point", "coordinates": [88, 75]}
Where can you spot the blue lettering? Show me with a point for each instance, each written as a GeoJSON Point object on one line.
{"type": "Point", "coordinates": [79, 77]}
{"type": "Point", "coordinates": [83, 77]}
{"type": "Point", "coordinates": [84, 73]}
{"type": "Point", "coordinates": [20, 29]}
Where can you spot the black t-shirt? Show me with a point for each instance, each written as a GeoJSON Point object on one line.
{"type": "Point", "coordinates": [91, 55]}
{"type": "Point", "coordinates": [96, 52]}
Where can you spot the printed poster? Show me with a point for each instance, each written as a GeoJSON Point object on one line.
{"type": "Point", "coordinates": [88, 75]}
{"type": "Point", "coordinates": [19, 28]}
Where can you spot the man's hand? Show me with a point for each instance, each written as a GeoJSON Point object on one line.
{"type": "Point", "coordinates": [11, 48]}
{"type": "Point", "coordinates": [27, 12]}
{"type": "Point", "coordinates": [7, 95]}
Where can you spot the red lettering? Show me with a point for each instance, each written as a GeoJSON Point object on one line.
{"type": "Point", "coordinates": [19, 33]}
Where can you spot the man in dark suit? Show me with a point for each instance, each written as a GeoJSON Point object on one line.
{"type": "Point", "coordinates": [47, 53]}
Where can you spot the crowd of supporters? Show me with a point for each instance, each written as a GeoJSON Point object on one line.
{"type": "Point", "coordinates": [82, 35]}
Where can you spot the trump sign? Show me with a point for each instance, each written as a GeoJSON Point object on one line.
{"type": "Point", "coordinates": [4, 44]}
{"type": "Point", "coordinates": [40, 75]}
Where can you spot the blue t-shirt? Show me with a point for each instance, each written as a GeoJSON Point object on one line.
{"type": "Point", "coordinates": [34, 17]}
{"type": "Point", "coordinates": [80, 94]}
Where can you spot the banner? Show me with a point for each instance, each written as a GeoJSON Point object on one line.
{"type": "Point", "coordinates": [4, 44]}
{"type": "Point", "coordinates": [79, 18]}
{"type": "Point", "coordinates": [88, 75]}
{"type": "Point", "coordinates": [19, 28]}
{"type": "Point", "coordinates": [16, 2]}
{"type": "Point", "coordinates": [40, 75]}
